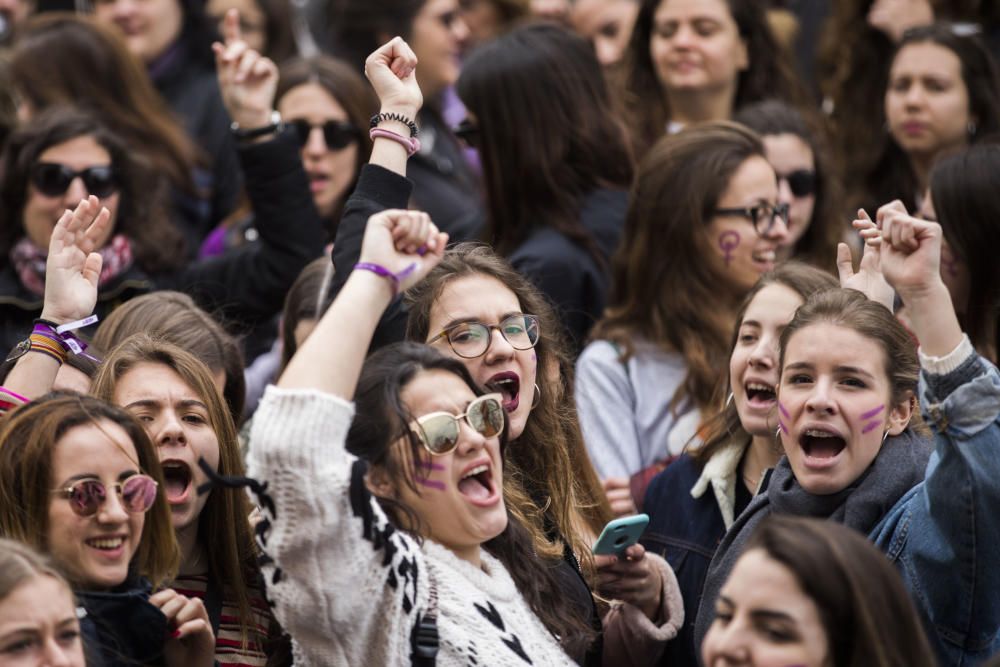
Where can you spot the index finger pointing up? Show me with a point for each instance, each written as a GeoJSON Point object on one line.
{"type": "Point", "coordinates": [231, 27]}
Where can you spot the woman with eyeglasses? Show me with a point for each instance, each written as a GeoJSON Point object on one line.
{"type": "Point", "coordinates": [806, 182]}
{"type": "Point", "coordinates": [80, 482]}
{"type": "Point", "coordinates": [390, 537]}
{"type": "Point", "coordinates": [704, 223]}
{"type": "Point", "coordinates": [65, 156]}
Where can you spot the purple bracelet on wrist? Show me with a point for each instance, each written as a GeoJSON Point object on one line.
{"type": "Point", "coordinates": [380, 270]}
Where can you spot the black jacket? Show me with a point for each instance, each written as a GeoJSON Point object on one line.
{"type": "Point", "coordinates": [121, 628]}
{"type": "Point", "coordinates": [243, 287]}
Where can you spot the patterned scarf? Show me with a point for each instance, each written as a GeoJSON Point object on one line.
{"type": "Point", "coordinates": [29, 262]}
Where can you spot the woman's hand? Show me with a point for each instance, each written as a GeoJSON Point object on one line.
{"type": "Point", "coordinates": [869, 279]}
{"type": "Point", "coordinates": [73, 266]}
{"type": "Point", "coordinates": [192, 643]}
{"type": "Point", "coordinates": [247, 79]}
{"type": "Point", "coordinates": [399, 240]}
{"type": "Point", "coordinates": [633, 579]}
{"type": "Point", "coordinates": [895, 17]}
{"type": "Point", "coordinates": [619, 494]}
{"type": "Point", "coordinates": [392, 72]}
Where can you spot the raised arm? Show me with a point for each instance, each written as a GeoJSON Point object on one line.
{"type": "Point", "coordinates": [72, 270]}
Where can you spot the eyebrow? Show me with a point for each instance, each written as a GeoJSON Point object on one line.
{"type": "Point", "coordinates": [763, 614]}
{"type": "Point", "coordinates": [125, 474]}
{"type": "Point", "coordinates": [854, 370]}
{"type": "Point", "coordinates": [154, 403]}
{"type": "Point", "coordinates": [476, 320]}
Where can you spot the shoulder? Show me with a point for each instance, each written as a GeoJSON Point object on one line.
{"type": "Point", "coordinates": [675, 481]}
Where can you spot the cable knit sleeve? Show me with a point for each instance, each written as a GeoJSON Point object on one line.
{"type": "Point", "coordinates": [344, 582]}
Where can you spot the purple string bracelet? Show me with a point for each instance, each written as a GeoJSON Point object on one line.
{"type": "Point", "coordinates": [380, 270]}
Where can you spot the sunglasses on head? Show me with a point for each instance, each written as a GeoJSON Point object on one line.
{"type": "Point", "coordinates": [802, 182]}
{"type": "Point", "coordinates": [53, 179]}
{"type": "Point", "coordinates": [336, 133]}
{"type": "Point", "coordinates": [137, 494]}
{"type": "Point", "coordinates": [438, 431]}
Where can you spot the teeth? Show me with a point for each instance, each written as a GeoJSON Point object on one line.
{"type": "Point", "coordinates": [820, 434]}
{"type": "Point", "coordinates": [476, 471]}
{"type": "Point", "coordinates": [754, 386]}
{"type": "Point", "coordinates": [110, 543]}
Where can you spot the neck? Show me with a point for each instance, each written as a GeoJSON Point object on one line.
{"type": "Point", "coordinates": [193, 558]}
{"type": "Point", "coordinates": [921, 169]}
{"type": "Point", "coordinates": [760, 455]}
{"type": "Point", "coordinates": [469, 554]}
{"type": "Point", "coordinates": [703, 105]}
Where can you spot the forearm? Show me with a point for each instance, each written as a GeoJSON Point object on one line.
{"type": "Point", "coordinates": [933, 320]}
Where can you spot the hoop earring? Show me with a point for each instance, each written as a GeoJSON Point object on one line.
{"type": "Point", "coordinates": [729, 401]}
{"type": "Point", "coordinates": [885, 436]}
{"type": "Point", "coordinates": [537, 398]}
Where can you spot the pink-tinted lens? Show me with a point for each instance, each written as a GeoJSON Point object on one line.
{"type": "Point", "coordinates": [86, 496]}
{"type": "Point", "coordinates": [138, 493]}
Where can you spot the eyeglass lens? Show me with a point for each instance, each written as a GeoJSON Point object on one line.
{"type": "Point", "coordinates": [336, 133]}
{"type": "Point", "coordinates": [485, 415]}
{"type": "Point", "coordinates": [53, 179]}
{"type": "Point", "coordinates": [138, 493]}
{"type": "Point", "coordinates": [472, 339]}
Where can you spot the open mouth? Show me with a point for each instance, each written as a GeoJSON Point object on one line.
{"type": "Point", "coordinates": [109, 545]}
{"type": "Point", "coordinates": [318, 181]}
{"type": "Point", "coordinates": [508, 384]}
{"type": "Point", "coordinates": [760, 394]}
{"type": "Point", "coordinates": [177, 481]}
{"type": "Point", "coordinates": [821, 446]}
{"type": "Point", "coordinates": [477, 485]}
{"type": "Point", "coordinates": [765, 257]}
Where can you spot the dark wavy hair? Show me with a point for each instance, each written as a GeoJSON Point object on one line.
{"type": "Point", "coordinates": [883, 171]}
{"type": "Point", "coordinates": [867, 614]}
{"type": "Point", "coordinates": [818, 245]}
{"type": "Point", "coordinates": [769, 73]}
{"type": "Point", "coordinates": [381, 418]}
{"type": "Point", "coordinates": [963, 189]}
{"type": "Point", "coordinates": [157, 244]}
{"type": "Point", "coordinates": [548, 133]}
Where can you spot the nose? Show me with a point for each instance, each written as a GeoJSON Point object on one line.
{"type": "Point", "coordinates": [763, 354]}
{"type": "Point", "coordinates": [171, 431]}
{"type": "Point", "coordinates": [470, 441]}
{"type": "Point", "coordinates": [730, 646]}
{"type": "Point", "coordinates": [684, 37]}
{"type": "Point", "coordinates": [315, 144]}
{"type": "Point", "coordinates": [459, 30]}
{"type": "Point", "coordinates": [54, 655]}
{"type": "Point", "coordinates": [914, 95]}
{"type": "Point", "coordinates": [123, 8]}
{"type": "Point", "coordinates": [74, 193]}
{"type": "Point", "coordinates": [785, 195]}
{"type": "Point", "coordinates": [779, 230]}
{"type": "Point", "coordinates": [499, 349]}
{"type": "Point", "coordinates": [820, 399]}
{"type": "Point", "coordinates": [112, 510]}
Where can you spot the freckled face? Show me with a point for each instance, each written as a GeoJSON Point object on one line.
{"type": "Point", "coordinates": [834, 404]}
{"type": "Point", "coordinates": [764, 619]}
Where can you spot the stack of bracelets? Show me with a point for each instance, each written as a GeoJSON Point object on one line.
{"type": "Point", "coordinates": [54, 341]}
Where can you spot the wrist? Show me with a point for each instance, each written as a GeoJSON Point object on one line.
{"type": "Point", "coordinates": [55, 318]}
{"type": "Point", "coordinates": [380, 290]}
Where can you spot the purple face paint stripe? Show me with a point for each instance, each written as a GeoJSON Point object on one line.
{"type": "Point", "coordinates": [784, 411]}
{"type": "Point", "coordinates": [873, 412]}
{"type": "Point", "coordinates": [430, 465]}
{"type": "Point", "coordinates": [781, 425]}
{"type": "Point", "coordinates": [432, 484]}
{"type": "Point", "coordinates": [871, 426]}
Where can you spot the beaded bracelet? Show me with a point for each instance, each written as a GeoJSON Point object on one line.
{"type": "Point", "coordinates": [380, 270]}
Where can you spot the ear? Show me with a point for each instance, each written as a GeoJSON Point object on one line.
{"type": "Point", "coordinates": [743, 57]}
{"type": "Point", "coordinates": [900, 416]}
{"type": "Point", "coordinates": [378, 483]}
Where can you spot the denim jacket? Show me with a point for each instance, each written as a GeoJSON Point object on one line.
{"type": "Point", "coordinates": [944, 534]}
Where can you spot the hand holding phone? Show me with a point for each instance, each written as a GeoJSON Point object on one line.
{"type": "Point", "coordinates": [620, 534]}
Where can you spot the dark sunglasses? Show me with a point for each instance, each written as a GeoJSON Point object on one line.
{"type": "Point", "coordinates": [438, 431]}
{"type": "Point", "coordinates": [336, 133]}
{"type": "Point", "coordinates": [468, 132]}
{"type": "Point", "coordinates": [137, 494]}
{"type": "Point", "coordinates": [802, 182]}
{"type": "Point", "coordinates": [53, 179]}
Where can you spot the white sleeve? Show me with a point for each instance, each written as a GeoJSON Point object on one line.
{"type": "Point", "coordinates": [345, 584]}
{"type": "Point", "coordinates": [605, 401]}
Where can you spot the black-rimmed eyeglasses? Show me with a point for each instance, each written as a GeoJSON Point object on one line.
{"type": "Point", "coordinates": [763, 216]}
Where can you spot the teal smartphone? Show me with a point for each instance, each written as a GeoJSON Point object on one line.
{"type": "Point", "coordinates": [620, 534]}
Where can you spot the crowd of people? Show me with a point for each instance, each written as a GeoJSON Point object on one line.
{"type": "Point", "coordinates": [342, 333]}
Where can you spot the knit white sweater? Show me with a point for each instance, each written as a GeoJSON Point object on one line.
{"type": "Point", "coordinates": [350, 587]}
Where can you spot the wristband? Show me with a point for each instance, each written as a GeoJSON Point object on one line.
{"type": "Point", "coordinates": [412, 144]}
{"type": "Point", "coordinates": [380, 270]}
{"type": "Point", "coordinates": [399, 118]}
{"type": "Point", "coordinates": [245, 134]}
{"type": "Point", "coordinates": [47, 345]}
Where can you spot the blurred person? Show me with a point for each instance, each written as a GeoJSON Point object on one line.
{"type": "Point", "coordinates": [814, 593]}
{"type": "Point", "coordinates": [266, 25]}
{"type": "Point", "coordinates": [488, 19]}
{"type": "Point", "coordinates": [607, 24]}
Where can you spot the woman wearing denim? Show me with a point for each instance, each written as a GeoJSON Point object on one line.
{"type": "Point", "coordinates": [849, 377]}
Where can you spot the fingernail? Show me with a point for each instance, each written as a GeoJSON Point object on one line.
{"type": "Point", "coordinates": [175, 634]}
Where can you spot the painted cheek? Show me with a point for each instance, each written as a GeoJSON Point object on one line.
{"type": "Point", "coordinates": [784, 413]}
{"type": "Point", "coordinates": [869, 415]}
{"type": "Point", "coordinates": [426, 481]}
{"type": "Point", "coordinates": [728, 241]}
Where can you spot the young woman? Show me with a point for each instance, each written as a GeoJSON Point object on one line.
{"type": "Point", "coordinates": [695, 500]}
{"type": "Point", "coordinates": [80, 481]}
{"type": "Point", "coordinates": [488, 19]}
{"type": "Point", "coordinates": [265, 24]}
{"type": "Point", "coordinates": [409, 528]}
{"type": "Point", "coordinates": [848, 384]}
{"type": "Point", "coordinates": [807, 183]}
{"type": "Point", "coordinates": [555, 164]}
{"type": "Point", "coordinates": [64, 155]}
{"type": "Point", "coordinates": [703, 224]}
{"type": "Point", "coordinates": [606, 25]}
{"type": "Point", "coordinates": [814, 593]}
{"type": "Point", "coordinates": [943, 93]}
{"type": "Point", "coordinates": [174, 397]}
{"type": "Point", "coordinates": [698, 60]}
{"type": "Point", "coordinates": [38, 621]}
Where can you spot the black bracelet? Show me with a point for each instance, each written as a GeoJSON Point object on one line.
{"type": "Point", "coordinates": [51, 325]}
{"type": "Point", "coordinates": [379, 117]}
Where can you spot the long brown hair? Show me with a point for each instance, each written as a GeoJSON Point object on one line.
{"type": "Point", "coordinates": [28, 436]}
{"type": "Point", "coordinates": [663, 288]}
{"type": "Point", "coordinates": [867, 613]}
{"type": "Point", "coordinates": [223, 526]}
{"type": "Point", "coordinates": [548, 133]}
{"type": "Point", "coordinates": [646, 108]}
{"type": "Point", "coordinates": [175, 318]}
{"type": "Point", "coordinates": [64, 58]}
{"type": "Point", "coordinates": [549, 460]}
{"type": "Point", "coordinates": [19, 564]}
{"type": "Point", "coordinates": [802, 279]}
